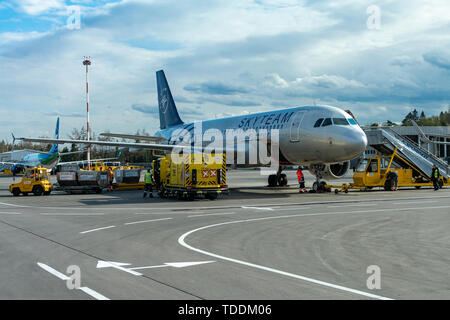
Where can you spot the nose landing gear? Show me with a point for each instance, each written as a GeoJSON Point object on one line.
{"type": "Point", "coordinates": [318, 185]}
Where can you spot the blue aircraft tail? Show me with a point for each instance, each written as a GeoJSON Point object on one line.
{"type": "Point", "coordinates": [168, 114]}
{"type": "Point", "coordinates": [54, 148]}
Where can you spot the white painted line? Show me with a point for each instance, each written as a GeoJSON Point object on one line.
{"type": "Point", "coordinates": [144, 221]}
{"type": "Point", "coordinates": [93, 293]}
{"type": "Point", "coordinates": [97, 229]}
{"type": "Point", "coordinates": [167, 213]}
{"type": "Point", "coordinates": [293, 209]}
{"type": "Point", "coordinates": [181, 241]}
{"type": "Point", "coordinates": [355, 205]}
{"type": "Point", "coordinates": [117, 265]}
{"type": "Point", "coordinates": [61, 276]}
{"type": "Point", "coordinates": [53, 271]}
{"type": "Point", "coordinates": [72, 214]}
{"type": "Point", "coordinates": [258, 208]}
{"type": "Point", "coordinates": [418, 202]}
{"type": "Point", "coordinates": [10, 213]}
{"type": "Point", "coordinates": [213, 214]}
{"type": "Point", "coordinates": [174, 265]}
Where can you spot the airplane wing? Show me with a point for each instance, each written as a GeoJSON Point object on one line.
{"type": "Point", "coordinates": [133, 137]}
{"type": "Point", "coordinates": [151, 146]}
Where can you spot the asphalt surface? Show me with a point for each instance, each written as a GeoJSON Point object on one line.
{"type": "Point", "coordinates": [256, 243]}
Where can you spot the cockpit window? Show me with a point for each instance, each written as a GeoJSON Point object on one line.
{"type": "Point", "coordinates": [340, 121]}
{"type": "Point", "coordinates": [327, 122]}
{"type": "Point", "coordinates": [352, 121]}
{"type": "Point", "coordinates": [318, 123]}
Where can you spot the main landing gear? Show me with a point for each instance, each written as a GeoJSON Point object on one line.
{"type": "Point", "coordinates": [279, 179]}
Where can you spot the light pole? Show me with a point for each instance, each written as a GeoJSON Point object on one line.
{"type": "Point", "coordinates": [87, 63]}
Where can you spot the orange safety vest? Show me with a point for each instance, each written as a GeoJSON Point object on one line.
{"type": "Point", "coordinates": [299, 175]}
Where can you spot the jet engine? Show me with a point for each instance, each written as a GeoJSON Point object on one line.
{"type": "Point", "coordinates": [331, 171]}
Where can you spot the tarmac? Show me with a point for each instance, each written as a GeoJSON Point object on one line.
{"type": "Point", "coordinates": [256, 243]}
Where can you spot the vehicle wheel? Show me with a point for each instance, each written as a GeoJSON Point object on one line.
{"type": "Point", "coordinates": [282, 180]}
{"type": "Point", "coordinates": [180, 196]}
{"type": "Point", "coordinates": [211, 196]}
{"type": "Point", "coordinates": [322, 187]}
{"type": "Point", "coordinates": [46, 193]}
{"type": "Point", "coordinates": [418, 187]}
{"type": "Point", "coordinates": [191, 197]}
{"type": "Point", "coordinates": [38, 191]}
{"type": "Point", "coordinates": [388, 185]}
{"type": "Point", "coordinates": [336, 191]}
{"type": "Point", "coordinates": [16, 192]}
{"type": "Point", "coordinates": [272, 180]}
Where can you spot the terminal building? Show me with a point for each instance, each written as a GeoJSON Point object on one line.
{"type": "Point", "coordinates": [435, 134]}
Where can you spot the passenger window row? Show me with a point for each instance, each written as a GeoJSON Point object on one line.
{"type": "Point", "coordinates": [323, 122]}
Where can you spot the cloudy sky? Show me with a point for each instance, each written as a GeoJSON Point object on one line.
{"type": "Point", "coordinates": [378, 58]}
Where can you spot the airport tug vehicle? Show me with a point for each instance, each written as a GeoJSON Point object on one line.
{"type": "Point", "coordinates": [187, 176]}
{"type": "Point", "coordinates": [373, 172]}
{"type": "Point", "coordinates": [35, 180]}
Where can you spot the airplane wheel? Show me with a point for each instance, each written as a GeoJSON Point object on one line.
{"type": "Point", "coordinates": [282, 180]}
{"type": "Point", "coordinates": [315, 187]}
{"type": "Point", "coordinates": [272, 180]}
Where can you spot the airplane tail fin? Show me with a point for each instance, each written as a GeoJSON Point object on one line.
{"type": "Point", "coordinates": [54, 148]}
{"type": "Point", "coordinates": [168, 114]}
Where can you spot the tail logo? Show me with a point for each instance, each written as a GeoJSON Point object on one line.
{"type": "Point", "coordinates": [164, 102]}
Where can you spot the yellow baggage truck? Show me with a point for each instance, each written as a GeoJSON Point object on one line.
{"type": "Point", "coordinates": [373, 172]}
{"type": "Point", "coordinates": [35, 180]}
{"type": "Point", "coordinates": [191, 175]}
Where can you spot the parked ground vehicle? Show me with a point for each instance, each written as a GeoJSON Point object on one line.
{"type": "Point", "coordinates": [191, 176]}
{"type": "Point", "coordinates": [373, 172]}
{"type": "Point", "coordinates": [35, 180]}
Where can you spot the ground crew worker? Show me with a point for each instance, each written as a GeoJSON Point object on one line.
{"type": "Point", "coordinates": [111, 179]}
{"type": "Point", "coordinates": [148, 184]}
{"type": "Point", "coordinates": [435, 177]}
{"type": "Point", "coordinates": [301, 181]}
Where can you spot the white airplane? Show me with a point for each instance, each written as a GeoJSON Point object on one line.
{"type": "Point", "coordinates": [322, 138]}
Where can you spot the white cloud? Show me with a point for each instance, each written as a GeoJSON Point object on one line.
{"type": "Point", "coordinates": [36, 7]}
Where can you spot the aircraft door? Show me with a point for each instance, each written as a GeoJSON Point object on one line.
{"type": "Point", "coordinates": [295, 126]}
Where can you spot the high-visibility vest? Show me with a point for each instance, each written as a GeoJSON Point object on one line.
{"type": "Point", "coordinates": [436, 173]}
{"type": "Point", "coordinates": [299, 175]}
{"type": "Point", "coordinates": [148, 178]}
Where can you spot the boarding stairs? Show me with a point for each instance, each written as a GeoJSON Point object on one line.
{"type": "Point", "coordinates": [385, 140]}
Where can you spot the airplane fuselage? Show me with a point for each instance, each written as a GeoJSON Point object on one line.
{"type": "Point", "coordinates": [301, 140]}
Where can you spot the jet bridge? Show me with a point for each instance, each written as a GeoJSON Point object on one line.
{"type": "Point", "coordinates": [385, 140]}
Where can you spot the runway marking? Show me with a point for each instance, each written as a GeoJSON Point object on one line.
{"type": "Point", "coordinates": [258, 208]}
{"type": "Point", "coordinates": [109, 227]}
{"type": "Point", "coordinates": [10, 213]}
{"type": "Point", "coordinates": [181, 241]}
{"type": "Point", "coordinates": [292, 209]}
{"type": "Point", "coordinates": [144, 221]}
{"type": "Point", "coordinates": [355, 205]}
{"type": "Point", "coordinates": [319, 202]}
{"type": "Point", "coordinates": [71, 214]}
{"type": "Point", "coordinates": [213, 214]}
{"type": "Point", "coordinates": [62, 276]}
{"type": "Point", "coordinates": [418, 202]}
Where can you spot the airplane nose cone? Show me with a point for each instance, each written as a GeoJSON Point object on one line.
{"type": "Point", "coordinates": [357, 143]}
